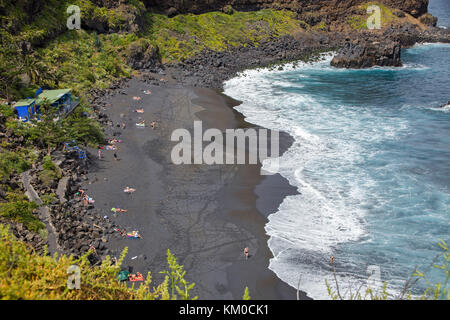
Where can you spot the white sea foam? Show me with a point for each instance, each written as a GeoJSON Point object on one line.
{"type": "Point", "coordinates": [308, 227]}
{"type": "Point", "coordinates": [445, 108]}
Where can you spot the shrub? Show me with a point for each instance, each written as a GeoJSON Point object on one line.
{"type": "Point", "coordinates": [24, 274]}
{"type": "Point", "coordinates": [13, 162]}
{"type": "Point", "coordinates": [433, 291]}
{"type": "Point", "coordinates": [19, 209]}
{"type": "Point", "coordinates": [50, 172]}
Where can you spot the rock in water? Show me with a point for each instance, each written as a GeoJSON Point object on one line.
{"type": "Point", "coordinates": [365, 54]}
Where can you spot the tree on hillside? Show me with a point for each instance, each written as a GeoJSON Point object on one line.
{"type": "Point", "coordinates": [48, 131]}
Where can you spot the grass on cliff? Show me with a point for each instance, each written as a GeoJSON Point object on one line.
{"type": "Point", "coordinates": [14, 162]}
{"type": "Point", "coordinates": [19, 209]}
{"type": "Point", "coordinates": [24, 274]}
{"type": "Point", "coordinates": [18, 21]}
{"type": "Point", "coordinates": [359, 22]}
{"type": "Point", "coordinates": [81, 59]}
{"type": "Point", "coordinates": [185, 35]}
{"type": "Point", "coordinates": [61, 58]}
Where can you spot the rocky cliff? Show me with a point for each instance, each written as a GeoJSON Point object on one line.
{"type": "Point", "coordinates": [414, 7]}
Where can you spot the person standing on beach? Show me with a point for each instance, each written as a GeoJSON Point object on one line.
{"type": "Point", "coordinates": [246, 253]}
{"type": "Point", "coordinates": [99, 153]}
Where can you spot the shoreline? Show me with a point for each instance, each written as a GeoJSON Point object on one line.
{"type": "Point", "coordinates": [248, 201]}
{"type": "Point", "coordinates": [220, 281]}
{"type": "Point", "coordinates": [205, 215]}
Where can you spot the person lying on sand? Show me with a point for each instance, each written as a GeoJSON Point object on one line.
{"type": "Point", "coordinates": [116, 209]}
{"type": "Point", "coordinates": [87, 200]}
{"type": "Point", "coordinates": [136, 98]}
{"type": "Point", "coordinates": [153, 124]}
{"type": "Point", "coordinates": [114, 141]}
{"type": "Point", "coordinates": [136, 277]}
{"type": "Point", "coordinates": [134, 234]}
{"type": "Point", "coordinates": [141, 124]}
{"type": "Point", "coordinates": [129, 190]}
{"type": "Point", "coordinates": [80, 193]}
{"type": "Point", "coordinates": [139, 110]}
{"type": "Point", "coordinates": [147, 92]}
{"type": "Point", "coordinates": [122, 232]}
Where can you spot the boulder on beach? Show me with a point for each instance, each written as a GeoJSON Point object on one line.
{"type": "Point", "coordinates": [143, 55]}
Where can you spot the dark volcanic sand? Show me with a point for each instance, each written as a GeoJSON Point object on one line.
{"type": "Point", "coordinates": [206, 215]}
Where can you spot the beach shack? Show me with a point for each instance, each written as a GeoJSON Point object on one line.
{"type": "Point", "coordinates": [25, 108]}
{"type": "Point", "coordinates": [61, 99]}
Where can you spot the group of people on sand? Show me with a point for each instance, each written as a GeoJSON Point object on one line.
{"type": "Point", "coordinates": [86, 199]}
{"type": "Point", "coordinates": [133, 234]}
{"type": "Point", "coordinates": [129, 190]}
{"type": "Point", "coordinates": [136, 277]}
{"type": "Point", "coordinates": [118, 210]}
{"type": "Point", "coordinates": [142, 123]}
{"type": "Point", "coordinates": [111, 147]}
{"type": "Point", "coordinates": [153, 124]}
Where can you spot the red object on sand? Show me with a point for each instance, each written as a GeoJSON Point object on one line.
{"type": "Point", "coordinates": [137, 277]}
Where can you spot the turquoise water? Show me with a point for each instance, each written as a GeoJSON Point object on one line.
{"type": "Point", "coordinates": [371, 160]}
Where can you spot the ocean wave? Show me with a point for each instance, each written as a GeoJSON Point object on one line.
{"type": "Point", "coordinates": [318, 219]}
{"type": "Point", "coordinates": [445, 108]}
{"type": "Point", "coordinates": [341, 164]}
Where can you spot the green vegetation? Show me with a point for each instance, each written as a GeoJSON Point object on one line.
{"type": "Point", "coordinates": [25, 274]}
{"type": "Point", "coordinates": [38, 50]}
{"type": "Point", "coordinates": [62, 58]}
{"type": "Point", "coordinates": [246, 294]}
{"type": "Point", "coordinates": [82, 60]}
{"type": "Point", "coordinates": [321, 26]}
{"type": "Point", "coordinates": [359, 22]}
{"type": "Point", "coordinates": [47, 133]}
{"type": "Point", "coordinates": [176, 275]}
{"type": "Point", "coordinates": [438, 290]}
{"type": "Point", "coordinates": [185, 35]}
{"type": "Point", "coordinates": [19, 209]}
{"type": "Point", "coordinates": [433, 291]}
{"type": "Point", "coordinates": [50, 173]}
{"type": "Point", "coordinates": [14, 162]}
{"type": "Point", "coordinates": [48, 199]}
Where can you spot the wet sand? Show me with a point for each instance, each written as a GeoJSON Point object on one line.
{"type": "Point", "coordinates": [205, 214]}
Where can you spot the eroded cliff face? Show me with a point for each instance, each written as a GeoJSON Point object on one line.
{"type": "Point", "coordinates": [414, 7]}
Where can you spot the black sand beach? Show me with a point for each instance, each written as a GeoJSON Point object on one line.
{"type": "Point", "coordinates": [206, 215]}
